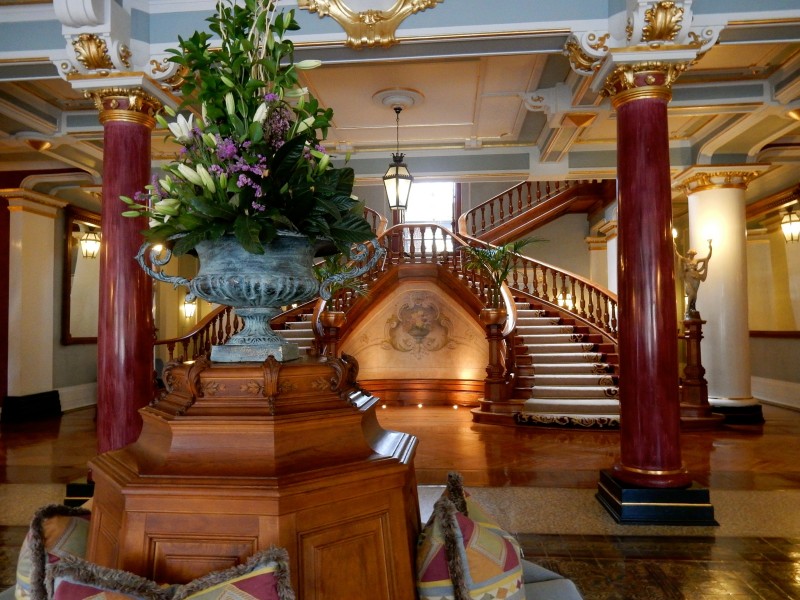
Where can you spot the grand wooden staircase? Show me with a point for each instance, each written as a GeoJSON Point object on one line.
{"type": "Point", "coordinates": [561, 356]}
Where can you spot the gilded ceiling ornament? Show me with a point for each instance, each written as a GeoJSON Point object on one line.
{"type": "Point", "coordinates": [92, 52]}
{"type": "Point", "coordinates": [663, 22]}
{"type": "Point", "coordinates": [580, 60]}
{"type": "Point", "coordinates": [370, 27]}
{"type": "Point", "coordinates": [124, 55]}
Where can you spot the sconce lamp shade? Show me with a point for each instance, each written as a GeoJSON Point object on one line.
{"type": "Point", "coordinates": [398, 183]}
{"type": "Point", "coordinates": [189, 309]}
{"type": "Point", "coordinates": [90, 244]}
{"type": "Point", "coordinates": [790, 224]}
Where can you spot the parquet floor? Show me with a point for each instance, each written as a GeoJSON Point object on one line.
{"type": "Point", "coordinates": [626, 566]}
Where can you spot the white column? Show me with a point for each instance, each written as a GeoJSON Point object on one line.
{"type": "Point", "coordinates": [598, 262]}
{"type": "Point", "coordinates": [609, 229]}
{"type": "Point", "coordinates": [717, 212]}
{"type": "Point", "coordinates": [31, 306]}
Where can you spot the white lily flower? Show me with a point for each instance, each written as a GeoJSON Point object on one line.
{"type": "Point", "coordinates": [190, 174]}
{"type": "Point", "coordinates": [208, 181]}
{"type": "Point", "coordinates": [261, 113]}
{"type": "Point", "coordinates": [166, 184]}
{"type": "Point", "coordinates": [305, 124]}
{"type": "Point", "coordinates": [305, 65]}
{"type": "Point", "coordinates": [296, 92]}
{"type": "Point", "coordinates": [182, 128]}
{"type": "Point", "coordinates": [210, 140]}
{"type": "Point", "coordinates": [168, 206]}
{"type": "Point", "coordinates": [230, 105]}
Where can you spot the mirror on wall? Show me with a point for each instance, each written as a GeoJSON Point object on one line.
{"type": "Point", "coordinates": [81, 287]}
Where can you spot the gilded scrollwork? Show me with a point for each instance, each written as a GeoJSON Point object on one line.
{"type": "Point", "coordinates": [581, 61]}
{"type": "Point", "coordinates": [92, 52]}
{"type": "Point", "coordinates": [371, 27]}
{"type": "Point", "coordinates": [662, 22]}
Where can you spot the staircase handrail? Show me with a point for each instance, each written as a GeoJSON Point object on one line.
{"type": "Point", "coordinates": [376, 220]}
{"type": "Point", "coordinates": [502, 208]}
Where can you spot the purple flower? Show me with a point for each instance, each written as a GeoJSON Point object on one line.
{"type": "Point", "coordinates": [259, 207]}
{"type": "Point", "coordinates": [226, 148]}
{"type": "Point", "coordinates": [270, 97]}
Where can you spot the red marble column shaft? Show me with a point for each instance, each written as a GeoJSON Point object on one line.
{"type": "Point", "coordinates": [5, 240]}
{"type": "Point", "coordinates": [125, 332]}
{"type": "Point", "coordinates": [649, 402]}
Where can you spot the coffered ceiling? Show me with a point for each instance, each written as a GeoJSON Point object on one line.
{"type": "Point", "coordinates": [466, 106]}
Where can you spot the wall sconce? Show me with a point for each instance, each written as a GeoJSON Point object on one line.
{"type": "Point", "coordinates": [90, 244]}
{"type": "Point", "coordinates": [790, 224]}
{"type": "Point", "coordinates": [398, 179]}
{"type": "Point", "coordinates": [189, 309]}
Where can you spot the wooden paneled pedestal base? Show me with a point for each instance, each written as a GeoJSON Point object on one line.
{"type": "Point", "coordinates": [238, 457]}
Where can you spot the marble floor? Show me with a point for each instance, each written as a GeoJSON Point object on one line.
{"type": "Point", "coordinates": [539, 483]}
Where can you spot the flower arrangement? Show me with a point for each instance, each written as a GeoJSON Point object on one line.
{"type": "Point", "coordinates": [252, 162]}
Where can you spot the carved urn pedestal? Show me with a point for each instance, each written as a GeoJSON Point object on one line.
{"type": "Point", "coordinates": [240, 456]}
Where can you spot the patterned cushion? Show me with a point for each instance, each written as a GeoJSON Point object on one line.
{"type": "Point", "coordinates": [465, 504]}
{"type": "Point", "coordinates": [462, 559]}
{"type": "Point", "coordinates": [265, 576]}
{"type": "Point", "coordinates": [56, 531]}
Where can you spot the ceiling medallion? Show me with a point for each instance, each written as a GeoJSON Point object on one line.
{"type": "Point", "coordinates": [368, 28]}
{"type": "Point", "coordinates": [402, 97]}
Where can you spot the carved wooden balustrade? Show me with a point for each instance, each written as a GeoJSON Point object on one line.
{"type": "Point", "coordinates": [510, 204]}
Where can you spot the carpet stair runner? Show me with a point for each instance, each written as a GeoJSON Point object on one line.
{"type": "Point", "coordinates": [300, 332]}
{"type": "Point", "coordinates": [564, 372]}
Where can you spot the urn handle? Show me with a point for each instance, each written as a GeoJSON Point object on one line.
{"type": "Point", "coordinates": [158, 258]}
{"type": "Point", "coordinates": [358, 252]}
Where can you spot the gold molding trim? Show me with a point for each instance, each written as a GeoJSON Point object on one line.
{"type": "Point", "coordinates": [653, 471]}
{"type": "Point", "coordinates": [368, 28]}
{"type": "Point", "coordinates": [662, 22]}
{"type": "Point", "coordinates": [92, 52]}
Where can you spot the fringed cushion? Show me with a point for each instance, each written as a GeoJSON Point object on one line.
{"type": "Point", "coordinates": [265, 576]}
{"type": "Point", "coordinates": [464, 503]}
{"type": "Point", "coordinates": [461, 559]}
{"type": "Point", "coordinates": [56, 531]}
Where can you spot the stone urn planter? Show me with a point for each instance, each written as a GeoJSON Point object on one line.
{"type": "Point", "coordinates": [256, 285]}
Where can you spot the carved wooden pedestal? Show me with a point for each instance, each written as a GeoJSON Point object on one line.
{"type": "Point", "coordinates": [237, 457]}
{"type": "Point", "coordinates": [695, 409]}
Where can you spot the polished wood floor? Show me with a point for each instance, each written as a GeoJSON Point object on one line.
{"type": "Point", "coordinates": [763, 457]}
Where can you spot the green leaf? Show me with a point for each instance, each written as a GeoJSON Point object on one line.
{"type": "Point", "coordinates": [247, 232]}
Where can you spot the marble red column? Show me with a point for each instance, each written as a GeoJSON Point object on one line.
{"type": "Point", "coordinates": [650, 453]}
{"type": "Point", "coordinates": [125, 332]}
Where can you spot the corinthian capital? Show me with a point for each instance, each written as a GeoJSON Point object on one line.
{"type": "Point", "coordinates": [657, 37]}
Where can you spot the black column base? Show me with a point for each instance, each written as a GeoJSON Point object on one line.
{"type": "Point", "coordinates": [630, 505]}
{"type": "Point", "coordinates": [33, 407]}
{"type": "Point", "coordinates": [749, 414]}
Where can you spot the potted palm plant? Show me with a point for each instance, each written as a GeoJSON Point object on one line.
{"type": "Point", "coordinates": [496, 263]}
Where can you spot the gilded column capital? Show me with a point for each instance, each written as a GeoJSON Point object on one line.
{"type": "Point", "coordinates": [645, 47]}
{"type": "Point", "coordinates": [708, 177]}
{"type": "Point", "coordinates": [368, 28]}
{"type": "Point", "coordinates": [125, 97]}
